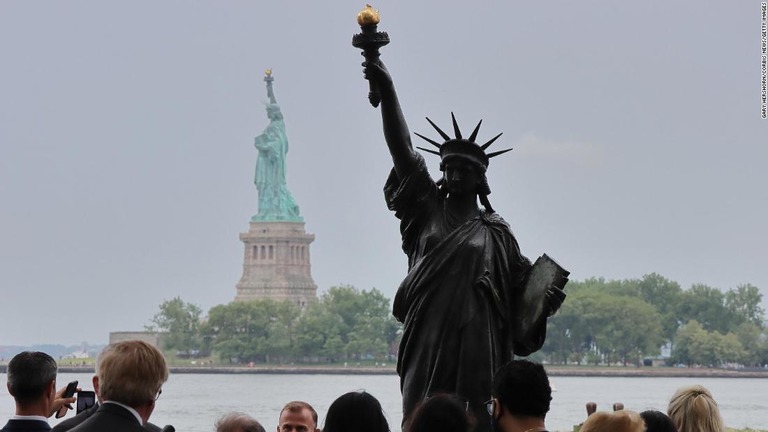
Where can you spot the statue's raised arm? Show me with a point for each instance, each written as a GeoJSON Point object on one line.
{"type": "Point", "coordinates": [270, 91]}
{"type": "Point", "coordinates": [396, 132]}
{"type": "Point", "coordinates": [382, 90]}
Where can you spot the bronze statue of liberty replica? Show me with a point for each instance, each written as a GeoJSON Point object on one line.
{"type": "Point", "coordinates": [470, 300]}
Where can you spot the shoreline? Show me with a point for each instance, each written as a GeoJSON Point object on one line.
{"type": "Point", "coordinates": [554, 371]}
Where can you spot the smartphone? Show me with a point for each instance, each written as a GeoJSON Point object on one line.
{"type": "Point", "coordinates": [85, 400]}
{"type": "Point", "coordinates": [68, 393]}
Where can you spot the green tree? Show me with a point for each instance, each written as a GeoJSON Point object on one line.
{"type": "Point", "coordinates": [665, 296]}
{"type": "Point", "coordinates": [744, 302]}
{"type": "Point", "coordinates": [231, 330]}
{"type": "Point", "coordinates": [755, 343]}
{"type": "Point", "coordinates": [368, 326]}
{"type": "Point", "coordinates": [318, 334]}
{"type": "Point", "coordinates": [691, 337]}
{"type": "Point", "coordinates": [697, 346]}
{"type": "Point", "coordinates": [253, 331]}
{"type": "Point", "coordinates": [568, 332]}
{"type": "Point", "coordinates": [597, 322]}
{"type": "Point", "coordinates": [181, 322]}
{"type": "Point", "coordinates": [706, 305]}
{"type": "Point", "coordinates": [604, 320]}
{"type": "Point", "coordinates": [275, 342]}
{"type": "Point", "coordinates": [721, 349]}
{"type": "Point", "coordinates": [627, 328]}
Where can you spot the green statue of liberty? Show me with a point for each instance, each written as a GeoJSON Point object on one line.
{"type": "Point", "coordinates": [275, 201]}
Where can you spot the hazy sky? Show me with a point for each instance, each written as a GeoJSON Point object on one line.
{"type": "Point", "coordinates": [127, 157]}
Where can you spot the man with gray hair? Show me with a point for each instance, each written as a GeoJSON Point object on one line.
{"type": "Point", "coordinates": [71, 423]}
{"type": "Point", "coordinates": [32, 383]}
{"type": "Point", "coordinates": [238, 422]}
{"type": "Point", "coordinates": [129, 380]}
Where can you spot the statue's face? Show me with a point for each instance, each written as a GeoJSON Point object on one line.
{"type": "Point", "coordinates": [273, 112]}
{"type": "Point", "coordinates": [461, 177]}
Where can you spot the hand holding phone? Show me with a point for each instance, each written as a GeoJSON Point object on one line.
{"type": "Point", "coordinates": [68, 393]}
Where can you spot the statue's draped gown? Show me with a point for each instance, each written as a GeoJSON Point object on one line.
{"type": "Point", "coordinates": [275, 200]}
{"type": "Point", "coordinates": [459, 298]}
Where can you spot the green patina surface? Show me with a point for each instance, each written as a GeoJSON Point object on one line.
{"type": "Point", "coordinates": [275, 200]}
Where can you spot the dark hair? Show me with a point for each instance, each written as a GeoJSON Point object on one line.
{"type": "Point", "coordinates": [657, 421]}
{"type": "Point", "coordinates": [522, 388]}
{"type": "Point", "coordinates": [355, 412]}
{"type": "Point", "coordinates": [30, 373]}
{"type": "Point", "coordinates": [441, 413]}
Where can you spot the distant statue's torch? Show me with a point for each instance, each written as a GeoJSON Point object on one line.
{"type": "Point", "coordinates": [370, 41]}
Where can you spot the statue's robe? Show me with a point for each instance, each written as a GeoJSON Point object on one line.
{"type": "Point", "coordinates": [460, 297]}
{"type": "Point", "coordinates": [275, 200]}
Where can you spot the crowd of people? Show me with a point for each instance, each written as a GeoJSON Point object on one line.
{"type": "Point", "coordinates": [130, 375]}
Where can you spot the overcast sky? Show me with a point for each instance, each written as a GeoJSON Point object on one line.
{"type": "Point", "coordinates": [127, 157]}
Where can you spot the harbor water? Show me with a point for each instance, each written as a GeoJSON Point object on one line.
{"type": "Point", "coordinates": [193, 402]}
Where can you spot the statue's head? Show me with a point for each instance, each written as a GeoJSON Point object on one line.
{"type": "Point", "coordinates": [273, 112]}
{"type": "Point", "coordinates": [463, 161]}
{"type": "Point", "coordinates": [459, 147]}
{"type": "Point", "coordinates": [463, 175]}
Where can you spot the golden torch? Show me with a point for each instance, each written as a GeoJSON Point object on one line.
{"type": "Point", "coordinates": [370, 41]}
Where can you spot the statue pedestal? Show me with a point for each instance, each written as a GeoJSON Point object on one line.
{"type": "Point", "coordinates": [276, 263]}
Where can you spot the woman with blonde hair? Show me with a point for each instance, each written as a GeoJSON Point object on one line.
{"type": "Point", "coordinates": [693, 409]}
{"type": "Point", "coordinates": [615, 421]}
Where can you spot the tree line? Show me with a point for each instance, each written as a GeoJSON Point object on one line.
{"type": "Point", "coordinates": [344, 324]}
{"type": "Point", "coordinates": [601, 322]}
{"type": "Point", "coordinates": [625, 321]}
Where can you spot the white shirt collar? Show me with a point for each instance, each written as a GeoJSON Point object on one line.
{"type": "Point", "coordinates": [133, 411]}
{"type": "Point", "coordinates": [31, 417]}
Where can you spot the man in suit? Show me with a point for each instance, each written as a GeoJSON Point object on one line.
{"type": "Point", "coordinates": [129, 379]}
{"type": "Point", "coordinates": [32, 383]}
{"type": "Point", "coordinates": [70, 423]}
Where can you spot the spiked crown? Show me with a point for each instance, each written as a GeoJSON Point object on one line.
{"type": "Point", "coordinates": [461, 147]}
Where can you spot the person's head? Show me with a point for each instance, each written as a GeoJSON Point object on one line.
{"type": "Point", "coordinates": [297, 416]}
{"type": "Point", "coordinates": [521, 389]}
{"type": "Point", "coordinates": [441, 413]}
{"type": "Point", "coordinates": [131, 373]}
{"type": "Point", "coordinates": [694, 409]}
{"type": "Point", "coordinates": [657, 421]}
{"type": "Point", "coordinates": [238, 422]}
{"type": "Point", "coordinates": [32, 379]}
{"type": "Point", "coordinates": [613, 421]}
{"type": "Point", "coordinates": [355, 411]}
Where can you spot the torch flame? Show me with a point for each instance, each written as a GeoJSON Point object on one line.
{"type": "Point", "coordinates": [368, 16]}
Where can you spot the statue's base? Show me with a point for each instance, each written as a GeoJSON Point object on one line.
{"type": "Point", "coordinates": [276, 263]}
